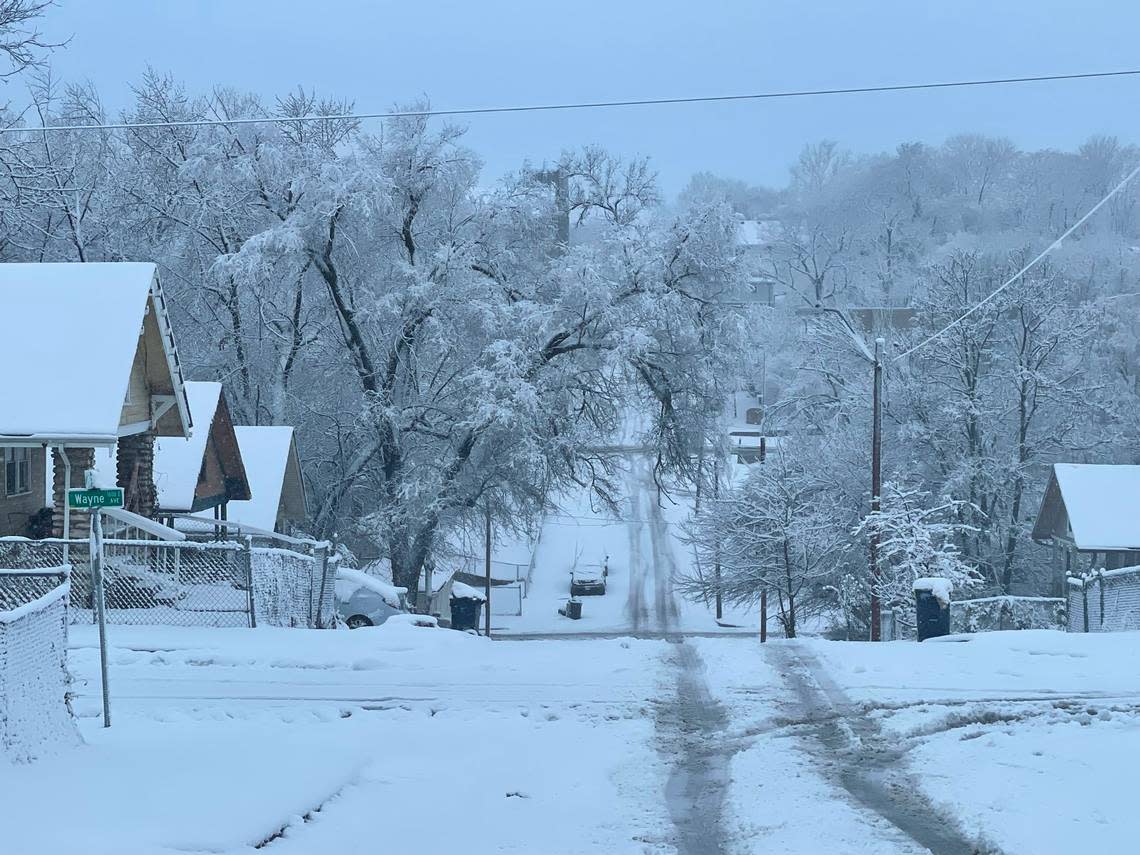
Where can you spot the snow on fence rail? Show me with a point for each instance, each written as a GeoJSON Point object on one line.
{"type": "Point", "coordinates": [187, 583]}
{"type": "Point", "coordinates": [1105, 601]}
{"type": "Point", "coordinates": [34, 716]}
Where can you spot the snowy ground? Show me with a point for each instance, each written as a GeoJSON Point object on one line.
{"type": "Point", "coordinates": [1007, 742]}
{"type": "Point", "coordinates": [407, 739]}
{"type": "Point", "coordinates": [365, 741]}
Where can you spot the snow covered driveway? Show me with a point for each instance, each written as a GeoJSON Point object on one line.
{"type": "Point", "coordinates": [1015, 742]}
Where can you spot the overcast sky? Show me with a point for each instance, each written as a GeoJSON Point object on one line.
{"type": "Point", "coordinates": [489, 52]}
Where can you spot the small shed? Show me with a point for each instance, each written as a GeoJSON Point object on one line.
{"type": "Point", "coordinates": [273, 470]}
{"type": "Point", "coordinates": [203, 471]}
{"type": "Point", "coordinates": [1089, 516]}
{"type": "Point", "coordinates": [88, 361]}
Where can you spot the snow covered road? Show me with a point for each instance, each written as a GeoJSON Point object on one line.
{"type": "Point", "coordinates": [644, 551]}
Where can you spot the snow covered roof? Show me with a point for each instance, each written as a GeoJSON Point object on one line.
{"type": "Point", "coordinates": [68, 350]}
{"type": "Point", "coordinates": [1100, 502]}
{"type": "Point", "coordinates": [274, 474]}
{"type": "Point", "coordinates": [178, 460]}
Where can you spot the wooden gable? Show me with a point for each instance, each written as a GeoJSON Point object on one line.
{"type": "Point", "coordinates": [222, 477]}
{"type": "Point", "coordinates": [293, 506]}
{"type": "Point", "coordinates": [154, 389]}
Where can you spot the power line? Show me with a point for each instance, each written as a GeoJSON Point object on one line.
{"type": "Point", "coordinates": [1124, 183]}
{"type": "Point", "coordinates": [581, 105]}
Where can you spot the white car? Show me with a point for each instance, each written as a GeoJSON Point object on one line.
{"type": "Point", "coordinates": [364, 600]}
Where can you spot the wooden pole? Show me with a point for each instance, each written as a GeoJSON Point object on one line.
{"type": "Point", "coordinates": [876, 485]}
{"type": "Point", "coordinates": [716, 566]}
{"type": "Point", "coordinates": [763, 615]}
{"type": "Point", "coordinates": [487, 576]}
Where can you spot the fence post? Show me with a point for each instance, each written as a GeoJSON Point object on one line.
{"type": "Point", "coordinates": [323, 557]}
{"type": "Point", "coordinates": [1100, 590]}
{"type": "Point", "coordinates": [1085, 602]}
{"type": "Point", "coordinates": [245, 555]}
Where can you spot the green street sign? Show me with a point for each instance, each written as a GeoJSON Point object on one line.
{"type": "Point", "coordinates": [86, 500]}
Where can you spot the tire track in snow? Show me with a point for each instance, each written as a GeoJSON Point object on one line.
{"type": "Point", "coordinates": [691, 736]}
{"type": "Point", "coordinates": [635, 608]}
{"type": "Point", "coordinates": [664, 562]}
{"type": "Point", "coordinates": [862, 760]}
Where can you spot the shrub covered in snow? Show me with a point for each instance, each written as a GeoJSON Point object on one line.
{"type": "Point", "coordinates": [997, 613]}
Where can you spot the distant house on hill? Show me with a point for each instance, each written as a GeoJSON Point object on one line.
{"type": "Point", "coordinates": [1089, 515]}
{"type": "Point", "coordinates": [205, 471]}
{"type": "Point", "coordinates": [273, 470]}
{"type": "Point", "coordinates": [89, 362]}
{"type": "Point", "coordinates": [753, 237]}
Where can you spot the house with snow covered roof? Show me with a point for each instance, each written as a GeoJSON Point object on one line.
{"type": "Point", "coordinates": [753, 238]}
{"type": "Point", "coordinates": [202, 472]}
{"type": "Point", "coordinates": [1090, 515]}
{"type": "Point", "coordinates": [273, 469]}
{"type": "Point", "coordinates": [89, 362]}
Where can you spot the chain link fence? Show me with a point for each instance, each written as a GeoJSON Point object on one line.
{"type": "Point", "coordinates": [1105, 601]}
{"type": "Point", "coordinates": [189, 583]}
{"type": "Point", "coordinates": [35, 719]}
{"type": "Point", "coordinates": [293, 589]}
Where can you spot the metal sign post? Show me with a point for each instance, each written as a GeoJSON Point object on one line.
{"type": "Point", "coordinates": [100, 606]}
{"type": "Point", "coordinates": [92, 500]}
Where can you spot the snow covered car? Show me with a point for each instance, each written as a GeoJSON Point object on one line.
{"type": "Point", "coordinates": [364, 600]}
{"type": "Point", "coordinates": [588, 582]}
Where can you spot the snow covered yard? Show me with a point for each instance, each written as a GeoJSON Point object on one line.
{"type": "Point", "coordinates": [390, 739]}
{"type": "Point", "coordinates": [1029, 738]}
{"type": "Point", "coordinates": [1019, 742]}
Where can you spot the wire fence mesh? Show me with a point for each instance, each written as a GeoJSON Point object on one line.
{"type": "Point", "coordinates": [188, 583]}
{"type": "Point", "coordinates": [1105, 601]}
{"type": "Point", "coordinates": [34, 716]}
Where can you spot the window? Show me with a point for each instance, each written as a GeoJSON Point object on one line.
{"type": "Point", "coordinates": [17, 471]}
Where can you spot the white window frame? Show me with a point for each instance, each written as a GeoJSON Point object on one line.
{"type": "Point", "coordinates": [14, 468]}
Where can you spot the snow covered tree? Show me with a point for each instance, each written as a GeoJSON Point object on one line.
{"type": "Point", "coordinates": [916, 540]}
{"type": "Point", "coordinates": [779, 531]}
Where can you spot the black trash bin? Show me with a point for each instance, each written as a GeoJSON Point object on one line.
{"type": "Point", "coordinates": [572, 609]}
{"type": "Point", "coordinates": [932, 607]}
{"type": "Point", "coordinates": [465, 613]}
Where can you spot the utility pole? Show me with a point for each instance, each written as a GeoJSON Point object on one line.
{"type": "Point", "coordinates": [487, 573]}
{"type": "Point", "coordinates": [716, 566]}
{"type": "Point", "coordinates": [876, 484]}
{"type": "Point", "coordinates": [763, 614]}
